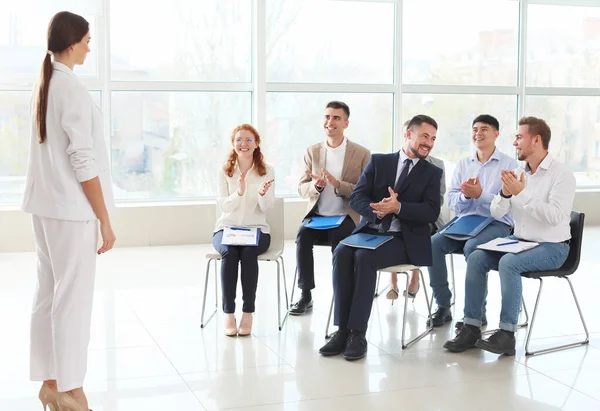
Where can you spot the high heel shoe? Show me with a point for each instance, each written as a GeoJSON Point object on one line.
{"type": "Point", "coordinates": [411, 294]}
{"type": "Point", "coordinates": [230, 331]}
{"type": "Point", "coordinates": [392, 294]}
{"type": "Point", "coordinates": [68, 403]}
{"type": "Point", "coordinates": [48, 397]}
{"type": "Point", "coordinates": [245, 328]}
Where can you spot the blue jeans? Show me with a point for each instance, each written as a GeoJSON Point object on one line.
{"type": "Point", "coordinates": [441, 245]}
{"type": "Point", "coordinates": [546, 256]}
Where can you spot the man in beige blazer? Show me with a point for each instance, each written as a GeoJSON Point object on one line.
{"type": "Point", "coordinates": [331, 170]}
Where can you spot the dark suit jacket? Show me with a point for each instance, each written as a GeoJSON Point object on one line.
{"type": "Point", "coordinates": [419, 197]}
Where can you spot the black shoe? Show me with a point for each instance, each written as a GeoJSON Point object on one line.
{"type": "Point", "coordinates": [466, 338]}
{"type": "Point", "coordinates": [501, 342]}
{"type": "Point", "coordinates": [301, 306]}
{"type": "Point", "coordinates": [336, 344]}
{"type": "Point", "coordinates": [440, 317]}
{"type": "Point", "coordinates": [460, 323]}
{"type": "Point", "coordinates": [356, 348]}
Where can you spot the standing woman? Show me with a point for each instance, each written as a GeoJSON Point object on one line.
{"type": "Point", "coordinates": [244, 196]}
{"type": "Point", "coordinates": [68, 190]}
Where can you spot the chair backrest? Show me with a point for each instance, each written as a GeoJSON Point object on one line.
{"type": "Point", "coordinates": [572, 261]}
{"type": "Point", "coordinates": [276, 221]}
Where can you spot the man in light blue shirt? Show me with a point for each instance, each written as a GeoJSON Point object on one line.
{"type": "Point", "coordinates": [475, 182]}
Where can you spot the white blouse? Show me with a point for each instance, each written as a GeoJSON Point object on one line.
{"type": "Point", "coordinates": [74, 151]}
{"type": "Point", "coordinates": [249, 209]}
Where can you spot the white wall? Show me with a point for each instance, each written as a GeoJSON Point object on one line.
{"type": "Point", "coordinates": [173, 224]}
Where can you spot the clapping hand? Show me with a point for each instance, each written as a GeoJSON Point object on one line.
{"type": "Point", "coordinates": [264, 187]}
{"type": "Point", "coordinates": [242, 183]}
{"type": "Point", "coordinates": [319, 181]}
{"type": "Point", "coordinates": [471, 188]}
{"type": "Point", "coordinates": [389, 205]}
{"type": "Point", "coordinates": [332, 180]}
{"type": "Point", "coordinates": [511, 185]}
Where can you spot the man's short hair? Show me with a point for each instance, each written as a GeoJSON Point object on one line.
{"type": "Point", "coordinates": [538, 126]}
{"type": "Point", "coordinates": [419, 119]}
{"type": "Point", "coordinates": [487, 119]}
{"type": "Point", "coordinates": [405, 125]}
{"type": "Point", "coordinates": [338, 105]}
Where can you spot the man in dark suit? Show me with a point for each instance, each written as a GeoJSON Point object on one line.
{"type": "Point", "coordinates": [403, 212]}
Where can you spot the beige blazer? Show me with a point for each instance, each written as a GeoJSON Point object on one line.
{"type": "Point", "coordinates": [355, 161]}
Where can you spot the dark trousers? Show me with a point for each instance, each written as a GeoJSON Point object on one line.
{"type": "Point", "coordinates": [306, 239]}
{"type": "Point", "coordinates": [231, 256]}
{"type": "Point", "coordinates": [355, 277]}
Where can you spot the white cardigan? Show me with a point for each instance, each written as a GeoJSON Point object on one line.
{"type": "Point", "coordinates": [248, 210]}
{"type": "Point", "coordinates": [74, 151]}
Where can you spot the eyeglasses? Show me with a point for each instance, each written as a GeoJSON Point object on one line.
{"type": "Point", "coordinates": [248, 140]}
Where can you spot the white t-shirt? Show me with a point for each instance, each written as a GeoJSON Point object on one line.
{"type": "Point", "coordinates": [329, 203]}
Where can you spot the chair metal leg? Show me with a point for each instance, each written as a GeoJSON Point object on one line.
{"type": "Point", "coordinates": [560, 347]}
{"type": "Point", "coordinates": [202, 323]}
{"type": "Point", "coordinates": [293, 287]}
{"type": "Point", "coordinates": [524, 309]}
{"type": "Point", "coordinates": [377, 291]}
{"type": "Point", "coordinates": [327, 335]}
{"type": "Point", "coordinates": [429, 327]}
{"type": "Point", "coordinates": [453, 280]}
{"type": "Point", "coordinates": [281, 271]}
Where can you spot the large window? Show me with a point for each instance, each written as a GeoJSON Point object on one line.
{"type": "Point", "coordinates": [173, 79]}
{"type": "Point", "coordinates": [563, 47]}
{"type": "Point", "coordinates": [575, 132]}
{"type": "Point", "coordinates": [181, 40]}
{"type": "Point", "coordinates": [466, 42]}
{"type": "Point", "coordinates": [172, 144]}
{"type": "Point", "coordinates": [311, 41]}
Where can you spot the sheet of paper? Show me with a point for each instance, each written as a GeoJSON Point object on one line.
{"type": "Point", "coordinates": [240, 236]}
{"type": "Point", "coordinates": [507, 245]}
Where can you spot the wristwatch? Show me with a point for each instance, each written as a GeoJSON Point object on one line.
{"type": "Point", "coordinates": [503, 196]}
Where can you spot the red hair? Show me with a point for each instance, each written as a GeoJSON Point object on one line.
{"type": "Point", "coordinates": [257, 156]}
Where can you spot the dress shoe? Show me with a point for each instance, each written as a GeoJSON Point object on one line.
{"type": "Point", "coordinates": [460, 323]}
{"type": "Point", "coordinates": [356, 348]}
{"type": "Point", "coordinates": [440, 317]}
{"type": "Point", "coordinates": [48, 397]}
{"type": "Point", "coordinates": [466, 338]}
{"type": "Point", "coordinates": [500, 342]}
{"type": "Point", "coordinates": [336, 344]}
{"type": "Point", "coordinates": [245, 325]}
{"type": "Point", "coordinates": [301, 306]}
{"type": "Point", "coordinates": [230, 325]}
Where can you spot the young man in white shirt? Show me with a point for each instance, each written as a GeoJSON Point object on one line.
{"type": "Point", "coordinates": [540, 198]}
{"type": "Point", "coordinates": [331, 170]}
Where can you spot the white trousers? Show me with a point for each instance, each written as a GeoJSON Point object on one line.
{"type": "Point", "coordinates": [62, 306]}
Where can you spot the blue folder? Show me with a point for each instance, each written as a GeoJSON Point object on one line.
{"type": "Point", "coordinates": [324, 222]}
{"type": "Point", "coordinates": [465, 227]}
{"type": "Point", "coordinates": [369, 241]}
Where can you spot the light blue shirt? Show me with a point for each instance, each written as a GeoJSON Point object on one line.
{"type": "Point", "coordinates": [489, 178]}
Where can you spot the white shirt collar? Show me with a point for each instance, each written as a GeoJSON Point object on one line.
{"type": "Point", "coordinates": [403, 157]}
{"type": "Point", "coordinates": [61, 67]}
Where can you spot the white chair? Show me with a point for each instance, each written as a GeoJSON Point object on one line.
{"type": "Point", "coordinates": [404, 269]}
{"type": "Point", "coordinates": [275, 219]}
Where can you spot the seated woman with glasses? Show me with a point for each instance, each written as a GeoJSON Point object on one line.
{"type": "Point", "coordinates": [245, 193]}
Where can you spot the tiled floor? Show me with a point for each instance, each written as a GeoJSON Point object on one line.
{"type": "Point", "coordinates": [148, 351]}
